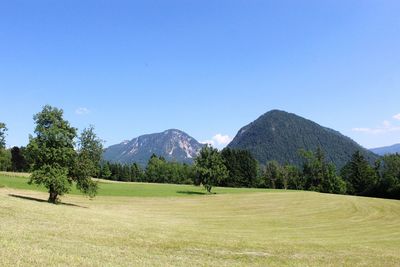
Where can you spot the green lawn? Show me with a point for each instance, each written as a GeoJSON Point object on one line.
{"type": "Point", "coordinates": [253, 228]}
{"type": "Point", "coordinates": [110, 188]}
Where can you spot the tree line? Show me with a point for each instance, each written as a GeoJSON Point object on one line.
{"type": "Point", "coordinates": [238, 168]}
{"type": "Point", "coordinates": [157, 170]}
{"type": "Point", "coordinates": [57, 158]}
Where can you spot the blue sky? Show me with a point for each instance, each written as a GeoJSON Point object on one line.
{"type": "Point", "coordinates": [205, 67]}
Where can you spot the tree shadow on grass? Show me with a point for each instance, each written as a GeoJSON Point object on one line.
{"type": "Point", "coordinates": [45, 201]}
{"type": "Point", "coordinates": [190, 193]}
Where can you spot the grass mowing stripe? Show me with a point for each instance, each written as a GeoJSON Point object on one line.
{"type": "Point", "coordinates": [255, 229]}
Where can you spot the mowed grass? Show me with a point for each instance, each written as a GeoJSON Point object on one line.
{"type": "Point", "coordinates": [111, 188]}
{"type": "Point", "coordinates": [248, 229]}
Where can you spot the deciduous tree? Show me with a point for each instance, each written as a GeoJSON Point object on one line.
{"type": "Point", "coordinates": [56, 163]}
{"type": "Point", "coordinates": [3, 130]}
{"type": "Point", "coordinates": [90, 149]}
{"type": "Point", "coordinates": [210, 167]}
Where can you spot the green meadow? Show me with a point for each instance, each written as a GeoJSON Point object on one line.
{"type": "Point", "coordinates": [111, 188]}
{"type": "Point", "coordinates": [130, 224]}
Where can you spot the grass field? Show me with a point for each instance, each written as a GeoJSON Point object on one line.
{"type": "Point", "coordinates": [111, 188]}
{"type": "Point", "coordinates": [250, 228]}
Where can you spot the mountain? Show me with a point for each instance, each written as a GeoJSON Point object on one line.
{"type": "Point", "coordinates": [173, 145]}
{"type": "Point", "coordinates": [386, 150]}
{"type": "Point", "coordinates": [279, 135]}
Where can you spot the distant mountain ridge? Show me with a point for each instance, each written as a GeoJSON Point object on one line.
{"type": "Point", "coordinates": [173, 145]}
{"type": "Point", "coordinates": [386, 150]}
{"type": "Point", "coordinates": [279, 135]}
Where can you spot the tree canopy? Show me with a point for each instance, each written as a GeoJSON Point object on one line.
{"type": "Point", "coordinates": [3, 130]}
{"type": "Point", "coordinates": [56, 164]}
{"type": "Point", "coordinates": [5, 155]}
{"type": "Point", "coordinates": [242, 167]}
{"type": "Point", "coordinates": [210, 167]}
{"type": "Point", "coordinates": [360, 177]}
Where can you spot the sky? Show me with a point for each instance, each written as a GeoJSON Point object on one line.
{"type": "Point", "coordinates": [205, 67]}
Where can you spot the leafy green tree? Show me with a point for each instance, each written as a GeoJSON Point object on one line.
{"type": "Point", "coordinates": [136, 172]}
{"type": "Point", "coordinates": [116, 170]}
{"type": "Point", "coordinates": [5, 155]}
{"type": "Point", "coordinates": [18, 160]}
{"type": "Point", "coordinates": [294, 178]}
{"type": "Point", "coordinates": [272, 174]}
{"type": "Point", "coordinates": [5, 160]}
{"type": "Point", "coordinates": [389, 177]}
{"type": "Point", "coordinates": [3, 130]}
{"type": "Point", "coordinates": [287, 173]}
{"type": "Point", "coordinates": [53, 152]}
{"type": "Point", "coordinates": [242, 167]}
{"type": "Point", "coordinates": [90, 149]}
{"type": "Point", "coordinates": [360, 176]}
{"type": "Point", "coordinates": [105, 171]}
{"type": "Point", "coordinates": [319, 175]}
{"type": "Point", "coordinates": [156, 169]}
{"type": "Point", "coordinates": [331, 182]}
{"type": "Point", "coordinates": [210, 167]}
{"type": "Point", "coordinates": [313, 168]}
{"type": "Point", "coordinates": [126, 173]}
{"type": "Point", "coordinates": [55, 162]}
{"type": "Point", "coordinates": [187, 174]}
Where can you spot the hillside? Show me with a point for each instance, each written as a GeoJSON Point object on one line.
{"type": "Point", "coordinates": [173, 145]}
{"type": "Point", "coordinates": [272, 228]}
{"type": "Point", "coordinates": [386, 150]}
{"type": "Point", "coordinates": [279, 135]}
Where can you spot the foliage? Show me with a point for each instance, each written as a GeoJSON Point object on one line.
{"type": "Point", "coordinates": [119, 172]}
{"type": "Point", "coordinates": [319, 175]}
{"type": "Point", "coordinates": [210, 167]}
{"type": "Point", "coordinates": [54, 178]}
{"type": "Point", "coordinates": [19, 160]}
{"type": "Point", "coordinates": [155, 170]}
{"type": "Point", "coordinates": [5, 156]}
{"type": "Point", "coordinates": [294, 177]}
{"type": "Point", "coordinates": [105, 171]}
{"type": "Point", "coordinates": [53, 152]}
{"type": "Point", "coordinates": [242, 167]}
{"type": "Point", "coordinates": [56, 164]}
{"type": "Point", "coordinates": [3, 130]}
{"type": "Point", "coordinates": [158, 170]}
{"type": "Point", "coordinates": [388, 171]}
{"type": "Point", "coordinates": [90, 150]}
{"type": "Point", "coordinates": [360, 177]}
{"type": "Point", "coordinates": [135, 172]}
{"type": "Point", "coordinates": [86, 163]}
{"type": "Point", "coordinates": [272, 174]}
{"type": "Point", "coordinates": [5, 160]}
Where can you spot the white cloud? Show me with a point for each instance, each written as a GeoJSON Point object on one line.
{"type": "Point", "coordinates": [386, 127]}
{"type": "Point", "coordinates": [222, 139]}
{"type": "Point", "coordinates": [82, 111]}
{"type": "Point", "coordinates": [397, 117]}
{"type": "Point", "coordinates": [386, 124]}
{"type": "Point", "coordinates": [218, 140]}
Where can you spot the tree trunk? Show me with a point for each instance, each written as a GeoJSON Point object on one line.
{"type": "Point", "coordinates": [52, 197]}
{"type": "Point", "coordinates": [208, 188]}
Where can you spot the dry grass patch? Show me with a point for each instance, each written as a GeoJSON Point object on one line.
{"type": "Point", "coordinates": [258, 229]}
